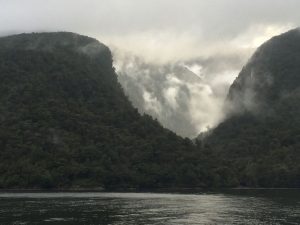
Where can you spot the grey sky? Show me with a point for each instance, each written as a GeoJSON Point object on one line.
{"type": "Point", "coordinates": [210, 17]}
{"type": "Point", "coordinates": [159, 39]}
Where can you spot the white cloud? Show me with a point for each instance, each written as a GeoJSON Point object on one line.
{"type": "Point", "coordinates": [256, 35]}
{"type": "Point", "coordinates": [202, 43]}
{"type": "Point", "coordinates": [152, 104]}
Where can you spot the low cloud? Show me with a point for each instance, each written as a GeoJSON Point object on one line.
{"type": "Point", "coordinates": [181, 80]}
{"type": "Point", "coordinates": [175, 59]}
{"type": "Point", "coordinates": [181, 99]}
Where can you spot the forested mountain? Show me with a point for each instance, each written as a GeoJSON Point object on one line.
{"type": "Point", "coordinates": [261, 137]}
{"type": "Point", "coordinates": [65, 122]}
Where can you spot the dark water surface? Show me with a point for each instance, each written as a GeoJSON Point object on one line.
{"type": "Point", "coordinates": [230, 207]}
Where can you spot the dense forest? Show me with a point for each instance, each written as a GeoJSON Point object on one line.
{"type": "Point", "coordinates": [261, 137]}
{"type": "Point", "coordinates": [66, 122]}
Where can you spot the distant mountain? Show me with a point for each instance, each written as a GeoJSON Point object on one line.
{"type": "Point", "coordinates": [65, 123]}
{"type": "Point", "coordinates": [261, 137]}
{"type": "Point", "coordinates": [171, 92]}
{"type": "Point", "coordinates": [162, 91]}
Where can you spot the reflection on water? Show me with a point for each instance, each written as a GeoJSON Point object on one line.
{"type": "Point", "coordinates": [231, 207]}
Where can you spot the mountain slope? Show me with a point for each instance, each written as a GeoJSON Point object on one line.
{"type": "Point", "coordinates": [65, 122]}
{"type": "Point", "coordinates": [261, 137]}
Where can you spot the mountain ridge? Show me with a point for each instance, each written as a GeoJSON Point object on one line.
{"type": "Point", "coordinates": [260, 136]}
{"type": "Point", "coordinates": [66, 123]}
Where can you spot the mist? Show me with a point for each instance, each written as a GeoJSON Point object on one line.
{"type": "Point", "coordinates": [174, 60]}
{"type": "Point", "coordinates": [185, 96]}
{"type": "Point", "coordinates": [183, 82]}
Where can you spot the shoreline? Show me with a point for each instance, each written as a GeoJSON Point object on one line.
{"type": "Point", "coordinates": [135, 190]}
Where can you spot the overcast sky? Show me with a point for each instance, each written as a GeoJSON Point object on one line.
{"type": "Point", "coordinates": [210, 19]}
{"type": "Point", "coordinates": [212, 38]}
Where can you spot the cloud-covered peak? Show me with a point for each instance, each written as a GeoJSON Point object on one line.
{"type": "Point", "coordinates": [175, 59]}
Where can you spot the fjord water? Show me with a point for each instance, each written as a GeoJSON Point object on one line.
{"type": "Point", "coordinates": [229, 207]}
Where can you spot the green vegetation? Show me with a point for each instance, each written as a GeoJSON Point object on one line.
{"type": "Point", "coordinates": [66, 123]}
{"type": "Point", "coordinates": [261, 140]}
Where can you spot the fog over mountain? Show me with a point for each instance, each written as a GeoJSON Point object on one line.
{"type": "Point", "coordinates": [184, 89]}
{"type": "Point", "coordinates": [175, 60]}
{"type": "Point", "coordinates": [185, 96]}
